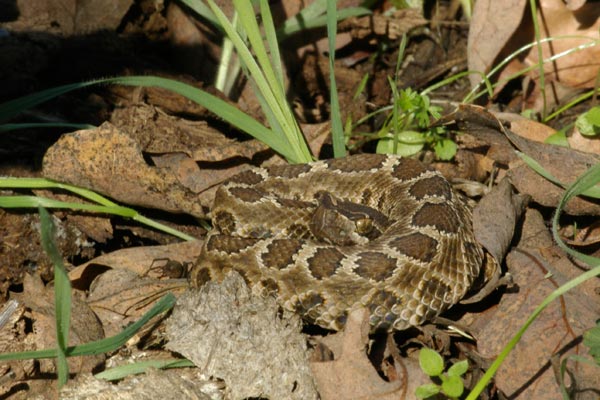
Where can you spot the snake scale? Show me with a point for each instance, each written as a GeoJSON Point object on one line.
{"type": "Point", "coordinates": [378, 231]}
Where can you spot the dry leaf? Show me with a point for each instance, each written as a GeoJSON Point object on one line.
{"type": "Point", "coordinates": [84, 327]}
{"type": "Point", "coordinates": [120, 297]}
{"type": "Point", "coordinates": [492, 25]}
{"type": "Point", "coordinates": [589, 144]}
{"type": "Point", "coordinates": [581, 236]}
{"type": "Point", "coordinates": [110, 162]}
{"type": "Point", "coordinates": [68, 17]}
{"type": "Point", "coordinates": [158, 133]}
{"type": "Point", "coordinates": [500, 28]}
{"type": "Point", "coordinates": [495, 218]}
{"type": "Point", "coordinates": [494, 221]}
{"type": "Point", "coordinates": [144, 261]}
{"type": "Point", "coordinates": [563, 163]}
{"type": "Point", "coordinates": [527, 372]}
{"type": "Point", "coordinates": [351, 375]}
{"type": "Point", "coordinates": [527, 128]}
{"type": "Point", "coordinates": [578, 70]}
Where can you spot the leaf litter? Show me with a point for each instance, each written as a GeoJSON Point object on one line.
{"type": "Point", "coordinates": [152, 157]}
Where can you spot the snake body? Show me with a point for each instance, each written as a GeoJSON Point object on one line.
{"type": "Point", "coordinates": [377, 231]}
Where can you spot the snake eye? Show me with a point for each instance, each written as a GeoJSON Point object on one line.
{"type": "Point", "coordinates": [364, 226]}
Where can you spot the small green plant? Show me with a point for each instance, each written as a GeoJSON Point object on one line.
{"type": "Point", "coordinates": [451, 383]}
{"type": "Point", "coordinates": [588, 123]}
{"type": "Point", "coordinates": [406, 130]}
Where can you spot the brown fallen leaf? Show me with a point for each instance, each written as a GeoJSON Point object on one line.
{"type": "Point", "coordinates": [84, 328]}
{"type": "Point", "coordinates": [563, 163]}
{"type": "Point", "coordinates": [122, 285]}
{"type": "Point", "coordinates": [581, 236]}
{"type": "Point", "coordinates": [144, 261]}
{"type": "Point", "coordinates": [526, 127]}
{"type": "Point", "coordinates": [494, 221]}
{"type": "Point", "coordinates": [120, 297]}
{"type": "Point", "coordinates": [390, 26]}
{"type": "Point", "coordinates": [527, 372]}
{"type": "Point", "coordinates": [500, 28]}
{"type": "Point", "coordinates": [351, 375]}
{"type": "Point", "coordinates": [579, 69]}
{"type": "Point", "coordinates": [580, 142]}
{"type": "Point", "coordinates": [495, 218]}
{"type": "Point", "coordinates": [70, 17]}
{"type": "Point", "coordinates": [158, 133]}
{"type": "Point", "coordinates": [492, 25]}
{"type": "Point", "coordinates": [110, 162]}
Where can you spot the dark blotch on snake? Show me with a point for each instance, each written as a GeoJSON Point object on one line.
{"type": "Point", "coordinates": [416, 245]}
{"type": "Point", "coordinates": [280, 253]}
{"type": "Point", "coordinates": [376, 266]}
{"type": "Point", "coordinates": [325, 262]}
{"type": "Point", "coordinates": [441, 216]}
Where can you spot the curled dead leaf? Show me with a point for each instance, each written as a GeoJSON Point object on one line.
{"type": "Point", "coordinates": [110, 162]}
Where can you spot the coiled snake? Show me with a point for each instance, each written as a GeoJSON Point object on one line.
{"type": "Point", "coordinates": [368, 230]}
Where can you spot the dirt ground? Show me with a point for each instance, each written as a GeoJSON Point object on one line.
{"type": "Point", "coordinates": [165, 156]}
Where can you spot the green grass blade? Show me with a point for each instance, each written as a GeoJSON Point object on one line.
{"type": "Point", "coordinates": [11, 108]}
{"type": "Point", "coordinates": [582, 185]}
{"type": "Point", "coordinates": [474, 94]}
{"type": "Point", "coordinates": [308, 20]}
{"type": "Point", "coordinates": [400, 58]}
{"type": "Point", "coordinates": [100, 346]}
{"type": "Point", "coordinates": [263, 75]}
{"type": "Point", "coordinates": [107, 206]}
{"type": "Point", "coordinates": [591, 191]}
{"type": "Point", "coordinates": [162, 227]}
{"type": "Point", "coordinates": [337, 130]}
{"type": "Point", "coordinates": [250, 24]}
{"type": "Point", "coordinates": [488, 85]}
{"type": "Point", "coordinates": [271, 36]}
{"type": "Point", "coordinates": [570, 104]}
{"type": "Point", "coordinates": [272, 89]}
{"type": "Point", "coordinates": [62, 295]}
{"type": "Point", "coordinates": [540, 55]}
{"type": "Point", "coordinates": [37, 201]}
{"type": "Point", "coordinates": [217, 106]}
{"type": "Point", "coordinates": [42, 183]}
{"type": "Point", "coordinates": [201, 9]}
{"type": "Point", "coordinates": [14, 127]}
{"type": "Point", "coordinates": [228, 69]}
{"type": "Point", "coordinates": [489, 374]}
{"type": "Point", "coordinates": [292, 152]}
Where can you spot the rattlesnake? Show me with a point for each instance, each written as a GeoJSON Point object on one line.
{"type": "Point", "coordinates": [378, 231]}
